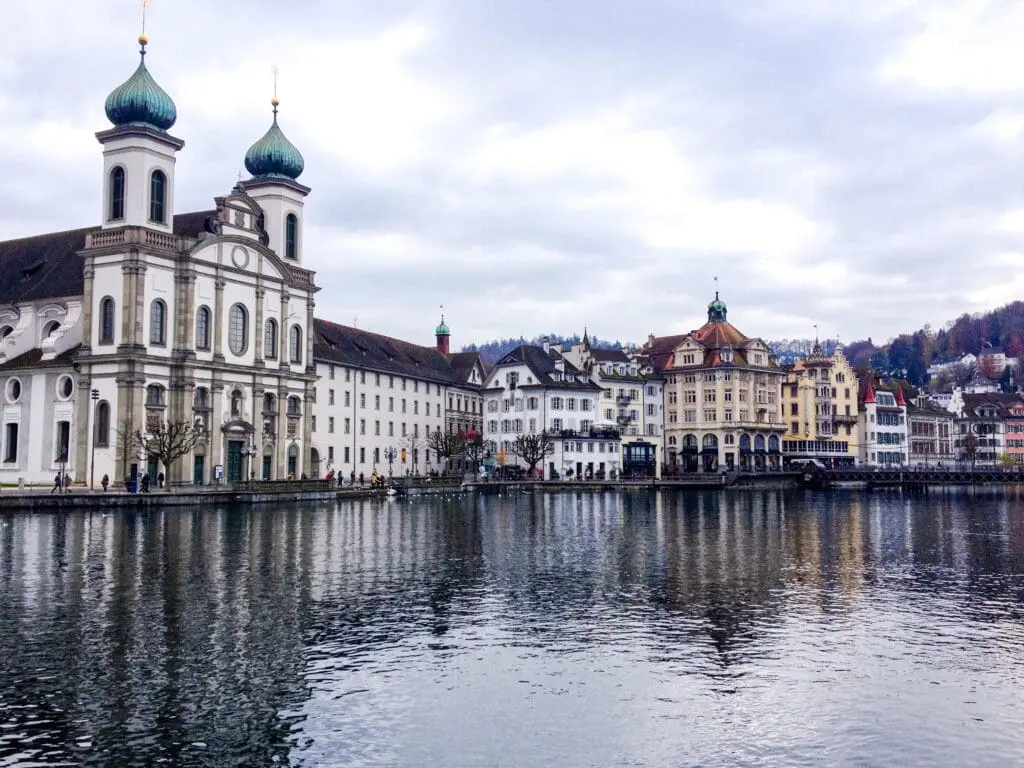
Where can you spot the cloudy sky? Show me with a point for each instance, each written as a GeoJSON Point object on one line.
{"type": "Point", "coordinates": [541, 165]}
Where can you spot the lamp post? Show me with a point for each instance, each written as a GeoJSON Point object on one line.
{"type": "Point", "coordinates": [250, 452]}
{"type": "Point", "coordinates": [94, 396]}
{"type": "Point", "coordinates": [389, 454]}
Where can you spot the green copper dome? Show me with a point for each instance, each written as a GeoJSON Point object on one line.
{"type": "Point", "coordinates": [441, 330]}
{"type": "Point", "coordinates": [140, 101]}
{"type": "Point", "coordinates": [717, 310]}
{"type": "Point", "coordinates": [273, 156]}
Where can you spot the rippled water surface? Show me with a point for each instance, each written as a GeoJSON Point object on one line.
{"type": "Point", "coordinates": [528, 630]}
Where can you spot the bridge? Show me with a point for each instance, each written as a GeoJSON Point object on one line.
{"type": "Point", "coordinates": [910, 477]}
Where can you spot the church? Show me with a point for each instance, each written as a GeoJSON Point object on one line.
{"type": "Point", "coordinates": [203, 318]}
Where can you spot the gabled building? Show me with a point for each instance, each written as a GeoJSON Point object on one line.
{"type": "Point", "coordinates": [1014, 434]}
{"type": "Point", "coordinates": [931, 432]}
{"type": "Point", "coordinates": [722, 397]}
{"type": "Point", "coordinates": [533, 389]}
{"type": "Point", "coordinates": [465, 402]}
{"type": "Point", "coordinates": [631, 402]}
{"type": "Point", "coordinates": [981, 419]}
{"type": "Point", "coordinates": [819, 406]}
{"type": "Point", "coordinates": [882, 426]}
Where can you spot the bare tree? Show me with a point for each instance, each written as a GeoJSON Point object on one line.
{"type": "Point", "coordinates": [970, 445]}
{"type": "Point", "coordinates": [533, 448]}
{"type": "Point", "coordinates": [474, 448]}
{"type": "Point", "coordinates": [446, 444]}
{"type": "Point", "coordinates": [168, 441]}
{"type": "Point", "coordinates": [127, 447]}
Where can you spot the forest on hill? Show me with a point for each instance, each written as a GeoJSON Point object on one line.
{"type": "Point", "coordinates": [492, 351]}
{"type": "Point", "coordinates": [909, 355]}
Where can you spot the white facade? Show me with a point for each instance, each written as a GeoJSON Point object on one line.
{"type": "Point", "coordinates": [535, 390]}
{"type": "Point", "coordinates": [883, 430]}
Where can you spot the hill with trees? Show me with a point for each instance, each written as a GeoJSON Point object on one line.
{"type": "Point", "coordinates": [492, 351]}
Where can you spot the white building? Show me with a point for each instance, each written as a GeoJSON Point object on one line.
{"type": "Point", "coordinates": [154, 316]}
{"type": "Point", "coordinates": [632, 402]}
{"type": "Point", "coordinates": [882, 427]}
{"type": "Point", "coordinates": [535, 389]}
{"type": "Point", "coordinates": [378, 399]}
{"type": "Point", "coordinates": [158, 316]}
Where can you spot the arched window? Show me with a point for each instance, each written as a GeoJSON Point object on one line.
{"type": "Point", "coordinates": [291, 236]}
{"type": "Point", "coordinates": [102, 434]}
{"type": "Point", "coordinates": [154, 395]}
{"type": "Point", "coordinates": [158, 323]}
{"type": "Point", "coordinates": [295, 344]}
{"type": "Point", "coordinates": [201, 398]}
{"type": "Point", "coordinates": [270, 340]}
{"type": "Point", "coordinates": [117, 194]}
{"type": "Point", "coordinates": [157, 197]}
{"type": "Point", "coordinates": [238, 330]}
{"type": "Point", "coordinates": [50, 328]}
{"type": "Point", "coordinates": [107, 320]}
{"type": "Point", "coordinates": [269, 403]}
{"type": "Point", "coordinates": [203, 328]}
{"type": "Point", "coordinates": [294, 408]}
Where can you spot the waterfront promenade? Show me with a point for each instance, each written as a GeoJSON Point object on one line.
{"type": "Point", "coordinates": [276, 492]}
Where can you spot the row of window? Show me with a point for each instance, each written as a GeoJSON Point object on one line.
{"type": "Point", "coordinates": [412, 456]}
{"type": "Point", "coordinates": [711, 414]}
{"type": "Point", "coordinates": [347, 427]}
{"type": "Point", "coordinates": [377, 403]}
{"type": "Point", "coordinates": [533, 404]}
{"type": "Point", "coordinates": [380, 378]}
{"type": "Point", "coordinates": [158, 206]}
{"type": "Point", "coordinates": [238, 329]}
{"type": "Point", "coordinates": [61, 437]}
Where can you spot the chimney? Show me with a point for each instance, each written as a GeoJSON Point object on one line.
{"type": "Point", "coordinates": [547, 345]}
{"type": "Point", "coordinates": [650, 340]}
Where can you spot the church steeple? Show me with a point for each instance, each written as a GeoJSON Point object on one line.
{"type": "Point", "coordinates": [443, 335]}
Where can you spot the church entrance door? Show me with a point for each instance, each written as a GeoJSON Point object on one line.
{"type": "Point", "coordinates": [234, 468]}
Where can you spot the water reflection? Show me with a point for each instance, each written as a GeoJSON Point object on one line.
{"type": "Point", "coordinates": [573, 629]}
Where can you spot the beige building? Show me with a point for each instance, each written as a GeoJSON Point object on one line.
{"type": "Point", "coordinates": [819, 408]}
{"type": "Point", "coordinates": [722, 398]}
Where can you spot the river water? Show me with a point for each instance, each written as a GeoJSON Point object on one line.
{"type": "Point", "coordinates": [729, 628]}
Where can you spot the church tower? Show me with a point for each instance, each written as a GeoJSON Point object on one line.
{"type": "Point", "coordinates": [275, 164]}
{"type": "Point", "coordinates": [138, 153]}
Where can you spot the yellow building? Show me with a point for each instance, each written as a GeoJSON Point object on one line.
{"type": "Point", "coordinates": [819, 406]}
{"type": "Point", "coordinates": [722, 398]}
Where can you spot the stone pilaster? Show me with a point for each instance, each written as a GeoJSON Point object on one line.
{"type": "Point", "coordinates": [258, 330]}
{"type": "Point", "coordinates": [88, 274]}
{"type": "Point", "coordinates": [216, 445]}
{"type": "Point", "coordinates": [218, 320]}
{"type": "Point", "coordinates": [185, 313]}
{"type": "Point", "coordinates": [282, 430]}
{"type": "Point", "coordinates": [285, 333]}
{"type": "Point", "coordinates": [83, 440]}
{"type": "Point", "coordinates": [307, 430]}
{"type": "Point", "coordinates": [310, 306]}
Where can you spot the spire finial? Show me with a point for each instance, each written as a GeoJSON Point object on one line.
{"type": "Point", "coordinates": [442, 313]}
{"type": "Point", "coordinates": [144, 4]}
{"type": "Point", "coordinates": [815, 333]}
{"type": "Point", "coordinates": [274, 101]}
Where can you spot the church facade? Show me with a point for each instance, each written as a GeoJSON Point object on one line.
{"type": "Point", "coordinates": [154, 317]}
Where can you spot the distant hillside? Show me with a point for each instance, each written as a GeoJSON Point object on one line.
{"type": "Point", "coordinates": [788, 351]}
{"type": "Point", "coordinates": [492, 351]}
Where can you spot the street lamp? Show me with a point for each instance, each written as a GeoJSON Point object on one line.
{"type": "Point", "coordinates": [389, 454]}
{"type": "Point", "coordinates": [250, 451]}
{"type": "Point", "coordinates": [95, 396]}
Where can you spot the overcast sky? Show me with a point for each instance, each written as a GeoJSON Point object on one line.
{"type": "Point", "coordinates": [541, 165]}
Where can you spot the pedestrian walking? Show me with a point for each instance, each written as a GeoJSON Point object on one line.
{"type": "Point", "coordinates": [105, 482]}
{"type": "Point", "coordinates": [57, 483]}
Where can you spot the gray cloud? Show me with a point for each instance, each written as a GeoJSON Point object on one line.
{"type": "Point", "coordinates": [543, 165]}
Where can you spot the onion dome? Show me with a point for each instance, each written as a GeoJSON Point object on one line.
{"type": "Point", "coordinates": [140, 101]}
{"type": "Point", "coordinates": [716, 310]}
{"type": "Point", "coordinates": [273, 156]}
{"type": "Point", "coordinates": [442, 329]}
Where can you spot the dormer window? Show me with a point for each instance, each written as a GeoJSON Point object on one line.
{"type": "Point", "coordinates": [158, 197]}
{"type": "Point", "coordinates": [117, 194]}
{"type": "Point", "coordinates": [727, 355]}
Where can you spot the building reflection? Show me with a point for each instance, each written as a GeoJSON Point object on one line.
{"type": "Point", "coordinates": [146, 634]}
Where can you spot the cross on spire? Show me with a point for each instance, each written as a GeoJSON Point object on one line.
{"type": "Point", "coordinates": [144, 5]}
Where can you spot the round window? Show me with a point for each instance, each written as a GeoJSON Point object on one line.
{"type": "Point", "coordinates": [65, 387]}
{"type": "Point", "coordinates": [13, 390]}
